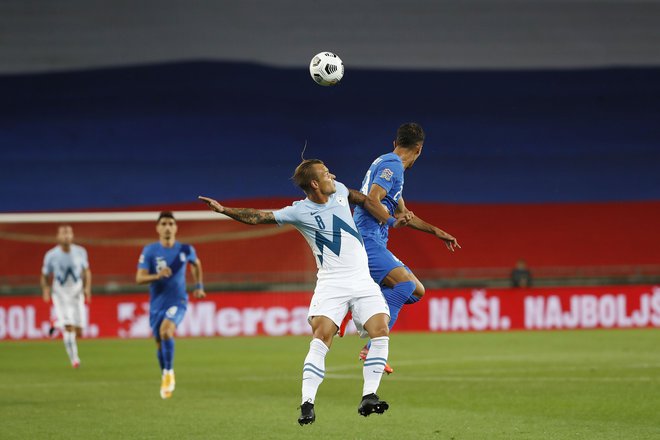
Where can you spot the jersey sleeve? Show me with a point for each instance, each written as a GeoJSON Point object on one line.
{"type": "Point", "coordinates": [47, 267]}
{"type": "Point", "coordinates": [192, 256]}
{"type": "Point", "coordinates": [143, 261]}
{"type": "Point", "coordinates": [286, 215]}
{"type": "Point", "coordinates": [386, 173]}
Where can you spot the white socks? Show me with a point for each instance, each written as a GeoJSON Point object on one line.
{"type": "Point", "coordinates": [374, 365]}
{"type": "Point", "coordinates": [313, 370]}
{"type": "Point", "coordinates": [70, 345]}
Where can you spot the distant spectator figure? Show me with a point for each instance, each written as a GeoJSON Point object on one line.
{"type": "Point", "coordinates": [521, 276]}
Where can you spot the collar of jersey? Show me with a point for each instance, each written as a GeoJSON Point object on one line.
{"type": "Point", "coordinates": [323, 205]}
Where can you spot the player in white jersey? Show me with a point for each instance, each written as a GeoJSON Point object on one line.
{"type": "Point", "coordinates": [71, 283]}
{"type": "Point", "coordinates": [343, 282]}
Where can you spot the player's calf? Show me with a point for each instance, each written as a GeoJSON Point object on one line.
{"type": "Point", "coordinates": [363, 356]}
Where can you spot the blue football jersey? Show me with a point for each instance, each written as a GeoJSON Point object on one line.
{"type": "Point", "coordinates": [386, 172]}
{"type": "Point", "coordinates": [170, 291]}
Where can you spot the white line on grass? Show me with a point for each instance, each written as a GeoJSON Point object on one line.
{"type": "Point", "coordinates": [401, 378]}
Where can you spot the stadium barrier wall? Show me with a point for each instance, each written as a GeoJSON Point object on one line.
{"type": "Point", "coordinates": [278, 314]}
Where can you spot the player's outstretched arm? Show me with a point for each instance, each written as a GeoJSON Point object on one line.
{"type": "Point", "coordinates": [421, 225]}
{"type": "Point", "coordinates": [248, 216]}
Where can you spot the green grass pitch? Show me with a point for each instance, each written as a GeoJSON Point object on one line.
{"type": "Point", "coordinates": [519, 385]}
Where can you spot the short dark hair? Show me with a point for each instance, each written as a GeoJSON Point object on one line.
{"type": "Point", "coordinates": [165, 214]}
{"type": "Point", "coordinates": [305, 173]}
{"type": "Point", "coordinates": [409, 134]}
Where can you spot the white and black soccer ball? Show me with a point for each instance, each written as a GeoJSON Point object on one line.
{"type": "Point", "coordinates": [326, 68]}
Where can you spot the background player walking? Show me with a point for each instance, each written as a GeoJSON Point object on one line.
{"type": "Point", "coordinates": [163, 265]}
{"type": "Point", "coordinates": [68, 265]}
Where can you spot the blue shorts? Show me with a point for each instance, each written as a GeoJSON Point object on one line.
{"type": "Point", "coordinates": [381, 260]}
{"type": "Point", "coordinates": [174, 313]}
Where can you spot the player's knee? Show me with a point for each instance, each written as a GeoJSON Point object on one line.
{"type": "Point", "coordinates": [379, 330]}
{"type": "Point", "coordinates": [166, 333]}
{"type": "Point", "coordinates": [324, 336]}
{"type": "Point", "coordinates": [419, 289]}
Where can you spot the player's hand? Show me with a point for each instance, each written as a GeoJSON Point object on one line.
{"type": "Point", "coordinates": [449, 240]}
{"type": "Point", "coordinates": [165, 272]}
{"type": "Point", "coordinates": [199, 293]}
{"type": "Point", "coordinates": [403, 219]}
{"type": "Point", "coordinates": [212, 204]}
{"type": "Point", "coordinates": [88, 296]}
{"type": "Point", "coordinates": [46, 294]}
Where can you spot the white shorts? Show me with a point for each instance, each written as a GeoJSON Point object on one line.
{"type": "Point", "coordinates": [69, 310]}
{"type": "Point", "coordinates": [364, 301]}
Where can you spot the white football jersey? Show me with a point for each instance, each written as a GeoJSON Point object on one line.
{"type": "Point", "coordinates": [67, 268]}
{"type": "Point", "coordinates": [332, 235]}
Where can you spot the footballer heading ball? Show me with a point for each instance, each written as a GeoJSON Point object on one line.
{"type": "Point", "coordinates": [326, 68]}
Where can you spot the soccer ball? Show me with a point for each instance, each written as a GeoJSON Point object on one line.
{"type": "Point", "coordinates": [326, 69]}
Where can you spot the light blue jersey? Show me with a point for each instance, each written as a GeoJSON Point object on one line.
{"type": "Point", "coordinates": [386, 172]}
{"type": "Point", "coordinates": [331, 234]}
{"type": "Point", "coordinates": [67, 268]}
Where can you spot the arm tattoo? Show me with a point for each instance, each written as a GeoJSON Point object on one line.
{"type": "Point", "coordinates": [250, 216]}
{"type": "Point", "coordinates": [356, 197]}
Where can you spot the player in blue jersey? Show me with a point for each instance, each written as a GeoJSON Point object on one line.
{"type": "Point", "coordinates": [383, 186]}
{"type": "Point", "coordinates": [71, 285]}
{"type": "Point", "coordinates": [163, 266]}
{"type": "Point", "coordinates": [343, 283]}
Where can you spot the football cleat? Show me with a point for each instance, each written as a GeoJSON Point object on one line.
{"type": "Point", "coordinates": [307, 415]}
{"type": "Point", "coordinates": [363, 356]}
{"type": "Point", "coordinates": [76, 363]}
{"type": "Point", "coordinates": [370, 404]}
{"type": "Point", "coordinates": [167, 386]}
{"type": "Point", "coordinates": [344, 323]}
{"type": "Point", "coordinates": [52, 329]}
{"type": "Point", "coordinates": [172, 381]}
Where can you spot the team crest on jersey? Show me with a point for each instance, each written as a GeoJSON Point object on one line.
{"type": "Point", "coordinates": [341, 200]}
{"type": "Point", "coordinates": [171, 311]}
{"type": "Point", "coordinates": [386, 174]}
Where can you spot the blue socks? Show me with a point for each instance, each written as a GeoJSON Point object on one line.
{"type": "Point", "coordinates": [412, 300]}
{"type": "Point", "coordinates": [396, 297]}
{"type": "Point", "coordinates": [167, 349]}
{"type": "Point", "coordinates": [161, 361]}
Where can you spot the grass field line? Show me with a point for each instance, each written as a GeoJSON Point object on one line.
{"type": "Point", "coordinates": [496, 379]}
{"type": "Point", "coordinates": [358, 377]}
{"type": "Point", "coordinates": [507, 368]}
{"type": "Point", "coordinates": [400, 378]}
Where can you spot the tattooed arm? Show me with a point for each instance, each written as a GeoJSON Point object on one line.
{"type": "Point", "coordinates": [248, 216]}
